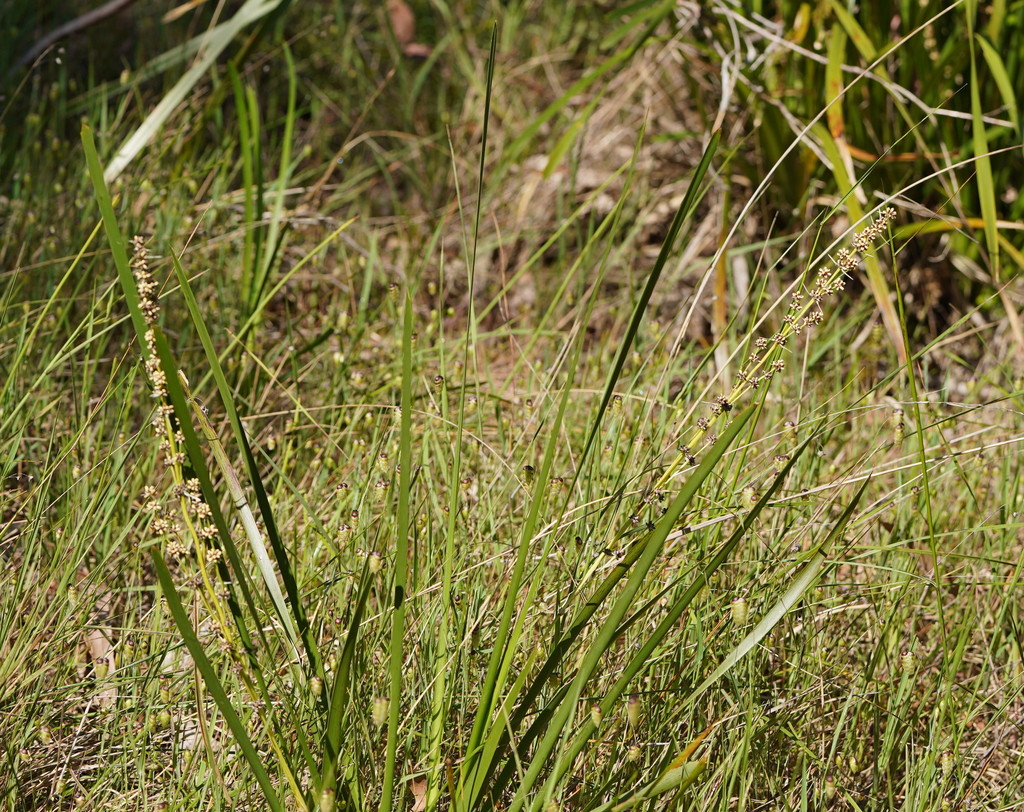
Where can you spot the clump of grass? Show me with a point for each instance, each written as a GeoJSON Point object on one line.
{"type": "Point", "coordinates": [348, 540]}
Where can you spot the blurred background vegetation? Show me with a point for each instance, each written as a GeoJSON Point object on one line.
{"type": "Point", "coordinates": [379, 111]}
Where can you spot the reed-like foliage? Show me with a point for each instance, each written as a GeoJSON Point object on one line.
{"type": "Point", "coordinates": [390, 421]}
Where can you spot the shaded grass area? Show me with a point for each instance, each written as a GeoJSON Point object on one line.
{"type": "Point", "coordinates": [486, 353]}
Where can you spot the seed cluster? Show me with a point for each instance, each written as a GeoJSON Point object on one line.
{"type": "Point", "coordinates": [804, 312]}
{"type": "Point", "coordinates": [144, 281]}
{"type": "Point", "coordinates": [198, 531]}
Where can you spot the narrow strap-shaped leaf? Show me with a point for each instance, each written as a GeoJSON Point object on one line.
{"type": "Point", "coordinates": [231, 569]}
{"type": "Point", "coordinates": [241, 504]}
{"type": "Point", "coordinates": [256, 481]}
{"type": "Point", "coordinates": [401, 562]}
{"type": "Point", "coordinates": [338, 703]}
{"type": "Point", "coordinates": [982, 161]}
{"type": "Point", "coordinates": [665, 626]}
{"type": "Point", "coordinates": [1002, 79]}
{"type": "Point", "coordinates": [694, 192]}
{"type": "Point", "coordinates": [652, 547]}
{"type": "Point", "coordinates": [803, 581]}
{"type": "Point", "coordinates": [213, 683]}
{"type": "Point", "coordinates": [213, 45]}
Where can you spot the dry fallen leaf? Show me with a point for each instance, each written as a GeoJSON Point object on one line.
{"type": "Point", "coordinates": [403, 21]}
{"type": "Point", "coordinates": [97, 637]}
{"type": "Point", "coordinates": [419, 793]}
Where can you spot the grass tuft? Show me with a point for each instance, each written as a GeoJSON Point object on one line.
{"type": "Point", "coordinates": [454, 406]}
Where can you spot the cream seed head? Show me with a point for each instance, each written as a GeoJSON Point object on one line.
{"type": "Point", "coordinates": [804, 312]}
{"type": "Point", "coordinates": [144, 282]}
{"type": "Point", "coordinates": [739, 610]}
{"type": "Point", "coordinates": [633, 711]}
{"type": "Point", "coordinates": [379, 710]}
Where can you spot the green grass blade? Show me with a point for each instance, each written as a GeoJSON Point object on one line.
{"type": "Point", "coordinates": [214, 685]}
{"type": "Point", "coordinates": [252, 531]}
{"type": "Point", "coordinates": [804, 580]}
{"type": "Point", "coordinates": [694, 193]}
{"type": "Point", "coordinates": [181, 401]}
{"type": "Point", "coordinates": [115, 239]}
{"type": "Point", "coordinates": [401, 562]}
{"type": "Point", "coordinates": [982, 161]}
{"type": "Point", "coordinates": [275, 225]}
{"type": "Point", "coordinates": [247, 114]}
{"type": "Point", "coordinates": [440, 698]}
{"type": "Point", "coordinates": [676, 778]}
{"type": "Point", "coordinates": [1002, 79]}
{"type": "Point", "coordinates": [507, 636]}
{"type": "Point", "coordinates": [642, 657]}
{"type": "Point", "coordinates": [339, 708]}
{"type": "Point", "coordinates": [652, 547]}
{"type": "Point", "coordinates": [297, 616]}
{"type": "Point", "coordinates": [216, 41]}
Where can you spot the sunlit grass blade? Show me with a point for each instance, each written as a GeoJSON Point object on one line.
{"type": "Point", "coordinates": [652, 546]}
{"type": "Point", "coordinates": [275, 225]}
{"type": "Point", "coordinates": [1002, 79]}
{"type": "Point", "coordinates": [181, 402]}
{"type": "Point", "coordinates": [401, 562]}
{"type": "Point", "coordinates": [214, 685]}
{"type": "Point", "coordinates": [680, 774]}
{"type": "Point", "coordinates": [214, 43]}
{"type": "Point", "coordinates": [249, 145]}
{"type": "Point", "coordinates": [803, 581]}
{"type": "Point", "coordinates": [252, 532]}
{"type": "Point", "coordinates": [339, 705]}
{"type": "Point", "coordinates": [440, 699]}
{"type": "Point", "coordinates": [641, 659]}
{"type": "Point", "coordinates": [292, 612]}
{"type": "Point", "coordinates": [982, 160]}
{"type": "Point", "coordinates": [694, 192]}
{"type": "Point", "coordinates": [510, 627]}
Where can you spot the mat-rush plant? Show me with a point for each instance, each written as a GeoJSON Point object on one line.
{"type": "Point", "coordinates": [522, 747]}
{"type": "Point", "coordinates": [223, 591]}
{"type": "Point", "coordinates": [529, 771]}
